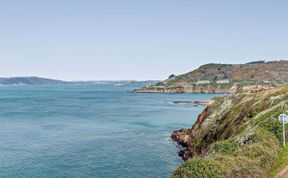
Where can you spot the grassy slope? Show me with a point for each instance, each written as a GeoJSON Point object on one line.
{"type": "Point", "coordinates": [281, 162]}
{"type": "Point", "coordinates": [254, 147]}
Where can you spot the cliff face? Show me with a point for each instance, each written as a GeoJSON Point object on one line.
{"type": "Point", "coordinates": [239, 128]}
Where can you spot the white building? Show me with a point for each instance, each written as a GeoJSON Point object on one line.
{"type": "Point", "coordinates": [201, 82]}
{"type": "Point", "coordinates": [222, 81]}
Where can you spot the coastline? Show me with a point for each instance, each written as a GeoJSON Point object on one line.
{"type": "Point", "coordinates": [194, 103]}
{"type": "Point", "coordinates": [180, 92]}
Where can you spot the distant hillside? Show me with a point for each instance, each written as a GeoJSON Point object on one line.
{"type": "Point", "coordinates": [222, 77]}
{"type": "Point", "coordinates": [269, 71]}
{"type": "Point", "coordinates": [29, 81]}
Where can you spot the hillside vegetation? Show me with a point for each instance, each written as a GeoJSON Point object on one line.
{"type": "Point", "coordinates": [236, 136]}
{"type": "Point", "coordinates": [238, 72]}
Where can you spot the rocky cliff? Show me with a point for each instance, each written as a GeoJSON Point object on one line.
{"type": "Point", "coordinates": [236, 136]}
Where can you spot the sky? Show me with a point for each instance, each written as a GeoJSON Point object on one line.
{"type": "Point", "coordinates": [136, 39]}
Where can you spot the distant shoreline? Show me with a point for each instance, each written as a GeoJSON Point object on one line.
{"type": "Point", "coordinates": [194, 103]}
{"type": "Point", "coordinates": [178, 92]}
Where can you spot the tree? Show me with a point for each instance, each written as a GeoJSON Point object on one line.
{"type": "Point", "coordinates": [172, 76]}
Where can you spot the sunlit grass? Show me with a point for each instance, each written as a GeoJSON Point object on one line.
{"type": "Point", "coordinates": [281, 163]}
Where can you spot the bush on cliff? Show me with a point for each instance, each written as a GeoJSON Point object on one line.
{"type": "Point", "coordinates": [200, 168]}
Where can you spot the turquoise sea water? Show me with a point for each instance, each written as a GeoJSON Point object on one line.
{"type": "Point", "coordinates": [95, 130]}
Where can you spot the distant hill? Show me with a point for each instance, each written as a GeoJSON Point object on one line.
{"type": "Point", "coordinates": [256, 62]}
{"type": "Point", "coordinates": [222, 77]}
{"type": "Point", "coordinates": [259, 70]}
{"type": "Point", "coordinates": [43, 81]}
{"type": "Point", "coordinates": [29, 81]}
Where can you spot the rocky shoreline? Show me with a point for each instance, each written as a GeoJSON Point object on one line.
{"type": "Point", "coordinates": [233, 88]}
{"type": "Point", "coordinates": [152, 90]}
{"type": "Point", "coordinates": [182, 137]}
{"type": "Point", "coordinates": [194, 103]}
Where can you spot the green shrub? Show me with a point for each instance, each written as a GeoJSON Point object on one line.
{"type": "Point", "coordinates": [274, 126]}
{"type": "Point", "coordinates": [239, 166]}
{"type": "Point", "coordinates": [263, 149]}
{"type": "Point", "coordinates": [198, 145]}
{"type": "Point", "coordinates": [198, 167]}
{"type": "Point", "coordinates": [225, 147]}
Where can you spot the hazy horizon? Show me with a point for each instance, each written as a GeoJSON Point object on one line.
{"type": "Point", "coordinates": [129, 40]}
{"type": "Point", "coordinates": [91, 80]}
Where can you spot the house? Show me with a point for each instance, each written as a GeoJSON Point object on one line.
{"type": "Point", "coordinates": [201, 82]}
{"type": "Point", "coordinates": [222, 81]}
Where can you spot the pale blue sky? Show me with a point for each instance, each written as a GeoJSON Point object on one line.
{"type": "Point", "coordinates": [136, 39]}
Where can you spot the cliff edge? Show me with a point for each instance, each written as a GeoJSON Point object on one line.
{"type": "Point", "coordinates": [236, 136]}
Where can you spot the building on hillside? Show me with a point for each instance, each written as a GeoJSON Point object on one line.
{"type": "Point", "coordinates": [222, 81]}
{"type": "Point", "coordinates": [202, 82]}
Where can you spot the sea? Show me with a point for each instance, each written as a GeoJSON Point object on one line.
{"type": "Point", "coordinates": [91, 130]}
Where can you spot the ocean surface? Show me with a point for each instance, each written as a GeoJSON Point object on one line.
{"type": "Point", "coordinates": [90, 130]}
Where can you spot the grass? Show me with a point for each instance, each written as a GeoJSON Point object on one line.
{"type": "Point", "coordinates": [229, 159]}
{"type": "Point", "coordinates": [199, 167]}
{"type": "Point", "coordinates": [225, 147]}
{"type": "Point", "coordinates": [281, 163]}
